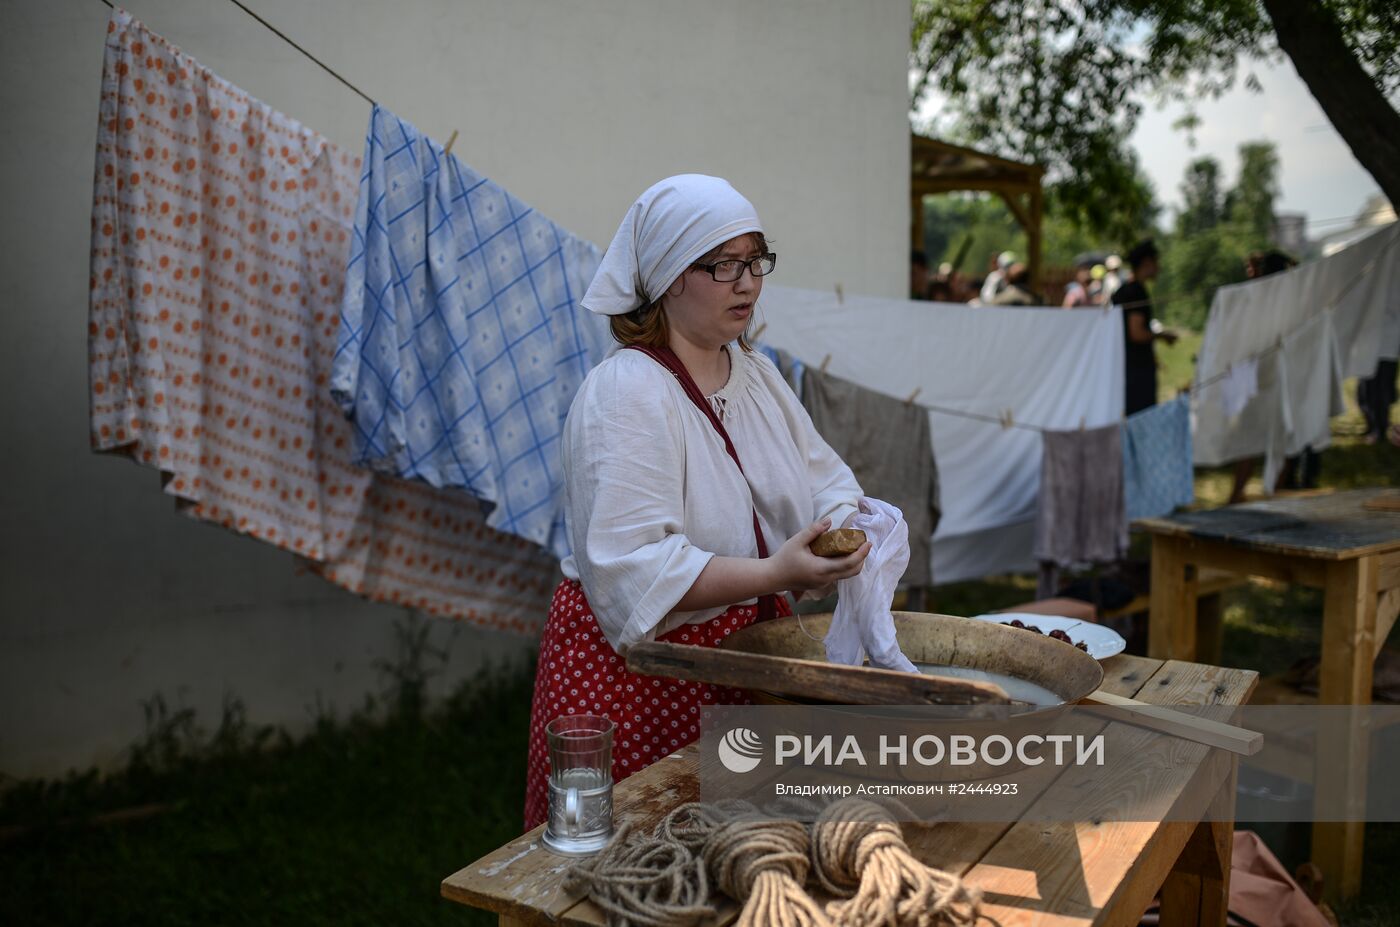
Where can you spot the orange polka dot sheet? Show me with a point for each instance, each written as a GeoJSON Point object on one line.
{"type": "Point", "coordinates": [220, 235]}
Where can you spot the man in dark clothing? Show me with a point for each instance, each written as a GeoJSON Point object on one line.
{"type": "Point", "coordinates": [1139, 358]}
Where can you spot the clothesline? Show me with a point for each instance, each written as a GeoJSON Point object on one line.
{"type": "Point", "coordinates": [1292, 335]}
{"type": "Point", "coordinates": [284, 37]}
{"type": "Point", "coordinates": [1006, 418]}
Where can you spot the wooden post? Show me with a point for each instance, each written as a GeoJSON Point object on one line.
{"type": "Point", "coordinates": [1197, 890]}
{"type": "Point", "coordinates": [1348, 649]}
{"type": "Point", "coordinates": [1033, 243]}
{"type": "Point", "coordinates": [1171, 619]}
{"type": "Point", "coordinates": [916, 224]}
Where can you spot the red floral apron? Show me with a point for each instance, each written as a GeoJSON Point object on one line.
{"type": "Point", "coordinates": [580, 673]}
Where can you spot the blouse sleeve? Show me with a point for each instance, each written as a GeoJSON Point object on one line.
{"type": "Point", "coordinates": [624, 464]}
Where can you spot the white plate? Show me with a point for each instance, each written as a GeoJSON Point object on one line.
{"type": "Point", "coordinates": [1102, 642]}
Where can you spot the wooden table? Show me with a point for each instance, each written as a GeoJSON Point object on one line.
{"type": "Point", "coordinates": [1332, 542]}
{"type": "Point", "coordinates": [1030, 872]}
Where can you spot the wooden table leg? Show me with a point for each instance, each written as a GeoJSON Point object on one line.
{"type": "Point", "coordinates": [1210, 629]}
{"type": "Point", "coordinates": [1348, 651]}
{"type": "Point", "coordinates": [1197, 890]}
{"type": "Point", "coordinates": [1171, 621]}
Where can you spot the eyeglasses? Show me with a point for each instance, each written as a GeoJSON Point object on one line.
{"type": "Point", "coordinates": [729, 271]}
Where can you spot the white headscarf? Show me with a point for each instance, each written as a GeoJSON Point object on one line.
{"type": "Point", "coordinates": [674, 222]}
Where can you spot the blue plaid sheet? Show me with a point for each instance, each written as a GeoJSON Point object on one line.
{"type": "Point", "coordinates": [1157, 475]}
{"type": "Point", "coordinates": [461, 339]}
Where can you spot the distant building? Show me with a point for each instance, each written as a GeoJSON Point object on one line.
{"type": "Point", "coordinates": [1291, 233]}
{"type": "Point", "coordinates": [1378, 211]}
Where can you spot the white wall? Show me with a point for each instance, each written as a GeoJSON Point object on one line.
{"type": "Point", "coordinates": [106, 595]}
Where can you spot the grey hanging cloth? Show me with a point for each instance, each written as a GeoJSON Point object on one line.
{"type": "Point", "coordinates": [1080, 517]}
{"type": "Point", "coordinates": [887, 444]}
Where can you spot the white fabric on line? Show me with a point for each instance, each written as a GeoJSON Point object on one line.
{"type": "Point", "coordinates": [1054, 369]}
{"type": "Point", "coordinates": [1304, 350]}
{"type": "Point", "coordinates": [1240, 385]}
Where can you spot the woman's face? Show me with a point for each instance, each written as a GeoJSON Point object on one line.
{"type": "Point", "coordinates": [709, 314]}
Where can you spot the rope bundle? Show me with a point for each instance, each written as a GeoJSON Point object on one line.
{"type": "Point", "coordinates": [860, 856]}
{"type": "Point", "coordinates": [763, 864]}
{"type": "Point", "coordinates": [644, 880]}
{"type": "Point", "coordinates": [856, 848]}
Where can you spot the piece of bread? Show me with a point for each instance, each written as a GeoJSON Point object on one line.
{"type": "Point", "coordinates": [838, 543]}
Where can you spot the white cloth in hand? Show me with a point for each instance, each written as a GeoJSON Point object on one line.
{"type": "Point", "coordinates": [863, 619]}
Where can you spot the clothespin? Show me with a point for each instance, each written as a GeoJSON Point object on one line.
{"type": "Point", "coordinates": [447, 149]}
{"type": "Point", "coordinates": [757, 332]}
{"type": "Point", "coordinates": [1006, 420]}
{"type": "Point", "coordinates": [840, 295]}
{"type": "Point", "coordinates": [825, 360]}
{"type": "Point", "coordinates": [914, 395]}
{"type": "Point", "coordinates": [1081, 424]}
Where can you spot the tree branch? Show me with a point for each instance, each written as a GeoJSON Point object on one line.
{"type": "Point", "coordinates": [1353, 102]}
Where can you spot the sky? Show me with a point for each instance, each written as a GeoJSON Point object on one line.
{"type": "Point", "coordinates": [1318, 175]}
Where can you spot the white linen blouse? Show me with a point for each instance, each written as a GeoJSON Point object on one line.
{"type": "Point", "coordinates": [652, 494]}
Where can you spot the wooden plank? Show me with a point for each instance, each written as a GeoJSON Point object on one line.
{"type": "Point", "coordinates": [1389, 576]}
{"type": "Point", "coordinates": [1107, 873]}
{"type": "Point", "coordinates": [1183, 724]}
{"type": "Point", "coordinates": [1386, 502]}
{"type": "Point", "coordinates": [1171, 627]}
{"type": "Point", "coordinates": [1334, 526]}
{"type": "Point", "coordinates": [1283, 568]}
{"type": "Point", "coordinates": [1387, 609]}
{"type": "Point", "coordinates": [830, 682]}
{"type": "Point", "coordinates": [1348, 653]}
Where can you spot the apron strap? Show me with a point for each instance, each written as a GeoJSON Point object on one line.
{"type": "Point", "coordinates": [767, 604]}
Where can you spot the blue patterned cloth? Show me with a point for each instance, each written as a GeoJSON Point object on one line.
{"type": "Point", "coordinates": [1157, 475]}
{"type": "Point", "coordinates": [461, 339]}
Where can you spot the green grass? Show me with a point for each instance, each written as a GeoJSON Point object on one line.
{"type": "Point", "coordinates": [356, 823]}
{"type": "Point", "coordinates": [359, 821]}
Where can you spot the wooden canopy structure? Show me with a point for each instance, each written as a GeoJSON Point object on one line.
{"type": "Point", "coordinates": [938, 167]}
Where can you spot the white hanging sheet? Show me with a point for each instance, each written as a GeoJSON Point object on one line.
{"type": "Point", "coordinates": [1309, 328]}
{"type": "Point", "coordinates": [1050, 368]}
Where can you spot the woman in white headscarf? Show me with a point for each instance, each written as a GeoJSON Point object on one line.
{"type": "Point", "coordinates": [695, 481]}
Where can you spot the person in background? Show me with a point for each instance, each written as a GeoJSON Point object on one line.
{"type": "Point", "coordinates": [918, 275]}
{"type": "Point", "coordinates": [1376, 394]}
{"type": "Point", "coordinates": [1077, 293]}
{"type": "Point", "coordinates": [1096, 292]}
{"type": "Point", "coordinates": [1112, 276]}
{"type": "Point", "coordinates": [996, 278]}
{"type": "Point", "coordinates": [940, 290]}
{"type": "Point", "coordinates": [1139, 357]}
{"type": "Point", "coordinates": [1017, 290]}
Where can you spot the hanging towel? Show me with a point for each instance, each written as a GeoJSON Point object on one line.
{"type": "Point", "coordinates": [886, 443]}
{"type": "Point", "coordinates": [221, 230]}
{"type": "Point", "coordinates": [1239, 386]}
{"type": "Point", "coordinates": [1080, 516]}
{"type": "Point", "coordinates": [1157, 474]}
{"type": "Point", "coordinates": [863, 621]}
{"type": "Point", "coordinates": [462, 342]}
